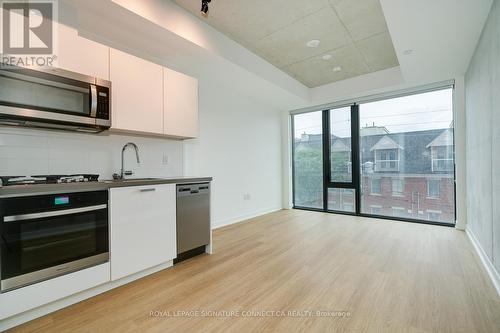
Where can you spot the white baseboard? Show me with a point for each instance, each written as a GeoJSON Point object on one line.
{"type": "Point", "coordinates": [70, 300]}
{"type": "Point", "coordinates": [241, 218]}
{"type": "Point", "coordinates": [488, 265]}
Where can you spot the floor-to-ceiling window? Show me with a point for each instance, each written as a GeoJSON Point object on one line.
{"type": "Point", "coordinates": [406, 147]}
{"type": "Point", "coordinates": [389, 157]}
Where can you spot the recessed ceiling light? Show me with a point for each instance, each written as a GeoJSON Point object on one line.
{"type": "Point", "coordinates": [407, 52]}
{"type": "Point", "coordinates": [313, 43]}
{"type": "Point", "coordinates": [327, 57]}
{"type": "Point", "coordinates": [337, 69]}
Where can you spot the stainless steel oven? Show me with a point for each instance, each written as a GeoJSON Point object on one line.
{"type": "Point", "coordinates": [50, 235]}
{"type": "Point", "coordinates": [53, 98]}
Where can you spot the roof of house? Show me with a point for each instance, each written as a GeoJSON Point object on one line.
{"type": "Point", "coordinates": [339, 146]}
{"type": "Point", "coordinates": [386, 142]}
{"type": "Point", "coordinates": [444, 139]}
{"type": "Point", "coordinates": [415, 157]}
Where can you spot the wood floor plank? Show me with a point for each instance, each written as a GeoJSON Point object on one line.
{"type": "Point", "coordinates": [388, 276]}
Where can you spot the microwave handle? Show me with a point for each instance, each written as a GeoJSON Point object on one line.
{"type": "Point", "coordinates": [93, 101]}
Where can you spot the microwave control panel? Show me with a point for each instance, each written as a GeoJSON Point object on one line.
{"type": "Point", "coordinates": [102, 102]}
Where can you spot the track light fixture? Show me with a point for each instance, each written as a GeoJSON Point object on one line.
{"type": "Point", "coordinates": [204, 7]}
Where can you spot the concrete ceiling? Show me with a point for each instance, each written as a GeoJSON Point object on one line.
{"type": "Point", "coordinates": [354, 33]}
{"type": "Point", "coordinates": [442, 34]}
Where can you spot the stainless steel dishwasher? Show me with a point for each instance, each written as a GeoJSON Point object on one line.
{"type": "Point", "coordinates": [193, 219]}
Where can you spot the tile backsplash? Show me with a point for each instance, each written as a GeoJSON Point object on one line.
{"type": "Point", "coordinates": [26, 151]}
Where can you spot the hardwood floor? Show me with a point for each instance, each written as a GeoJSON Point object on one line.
{"type": "Point", "coordinates": [389, 277]}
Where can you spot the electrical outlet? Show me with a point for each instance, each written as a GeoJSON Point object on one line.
{"type": "Point", "coordinates": [164, 161]}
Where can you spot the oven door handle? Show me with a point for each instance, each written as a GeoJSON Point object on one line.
{"type": "Point", "coordinates": [22, 217]}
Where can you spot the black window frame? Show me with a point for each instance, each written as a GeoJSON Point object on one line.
{"type": "Point", "coordinates": [355, 184]}
{"type": "Point", "coordinates": [355, 165]}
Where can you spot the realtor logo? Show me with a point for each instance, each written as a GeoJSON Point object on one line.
{"type": "Point", "coordinates": [28, 32]}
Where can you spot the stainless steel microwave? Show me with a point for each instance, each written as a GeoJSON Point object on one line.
{"type": "Point", "coordinates": [54, 98]}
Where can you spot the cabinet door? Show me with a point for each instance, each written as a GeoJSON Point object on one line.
{"type": "Point", "coordinates": [137, 93]}
{"type": "Point", "coordinates": [180, 104]}
{"type": "Point", "coordinates": [81, 55]}
{"type": "Point", "coordinates": [143, 230]}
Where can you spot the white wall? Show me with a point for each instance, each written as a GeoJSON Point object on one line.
{"type": "Point", "coordinates": [240, 146]}
{"type": "Point", "coordinates": [30, 152]}
{"type": "Point", "coordinates": [483, 139]}
{"type": "Point", "coordinates": [368, 84]}
{"type": "Point", "coordinates": [460, 152]}
{"type": "Point", "coordinates": [239, 143]}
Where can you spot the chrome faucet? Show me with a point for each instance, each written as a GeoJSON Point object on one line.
{"type": "Point", "coordinates": [124, 173]}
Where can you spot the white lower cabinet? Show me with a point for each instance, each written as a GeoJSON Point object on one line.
{"type": "Point", "coordinates": [33, 296]}
{"type": "Point", "coordinates": [142, 228]}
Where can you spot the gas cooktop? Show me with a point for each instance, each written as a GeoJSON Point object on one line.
{"type": "Point", "coordinates": [47, 179]}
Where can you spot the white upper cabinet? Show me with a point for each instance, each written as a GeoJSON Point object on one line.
{"type": "Point", "coordinates": [81, 55]}
{"type": "Point", "coordinates": [180, 104]}
{"type": "Point", "coordinates": [137, 93]}
{"type": "Point", "coordinates": [146, 97]}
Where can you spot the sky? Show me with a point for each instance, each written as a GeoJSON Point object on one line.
{"type": "Point", "coordinates": [432, 110]}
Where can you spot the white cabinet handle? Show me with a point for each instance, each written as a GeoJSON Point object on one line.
{"type": "Point", "coordinates": [148, 190]}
